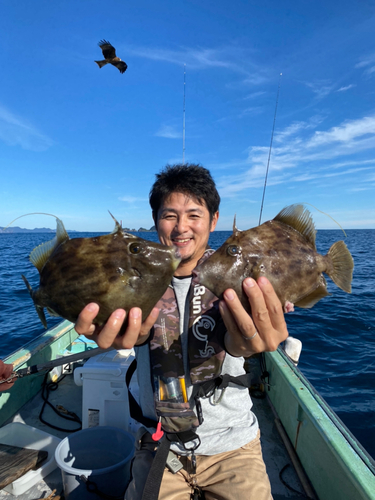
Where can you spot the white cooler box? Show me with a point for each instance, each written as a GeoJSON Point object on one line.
{"type": "Point", "coordinates": [105, 395]}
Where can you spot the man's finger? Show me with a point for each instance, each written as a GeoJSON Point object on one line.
{"type": "Point", "coordinates": [84, 323]}
{"type": "Point", "coordinates": [275, 309]}
{"type": "Point", "coordinates": [107, 335]}
{"type": "Point", "coordinates": [259, 311]}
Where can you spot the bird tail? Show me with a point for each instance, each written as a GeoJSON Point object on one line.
{"type": "Point", "coordinates": [101, 63]}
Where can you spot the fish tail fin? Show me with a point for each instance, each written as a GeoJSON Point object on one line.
{"type": "Point", "coordinates": [343, 265]}
{"type": "Point", "coordinates": [39, 309]}
{"type": "Point", "coordinates": [101, 63]}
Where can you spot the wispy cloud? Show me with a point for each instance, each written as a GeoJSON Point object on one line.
{"type": "Point", "coordinates": [344, 89]}
{"type": "Point", "coordinates": [297, 127]}
{"type": "Point", "coordinates": [368, 63]}
{"type": "Point", "coordinates": [132, 199]}
{"type": "Point", "coordinates": [255, 95]}
{"type": "Point", "coordinates": [168, 132]}
{"type": "Point", "coordinates": [16, 131]}
{"type": "Point", "coordinates": [232, 58]}
{"type": "Point", "coordinates": [252, 111]}
{"type": "Point", "coordinates": [321, 88]}
{"type": "Point", "coordinates": [313, 153]}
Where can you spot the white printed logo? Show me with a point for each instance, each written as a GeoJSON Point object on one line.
{"type": "Point", "coordinates": [205, 323]}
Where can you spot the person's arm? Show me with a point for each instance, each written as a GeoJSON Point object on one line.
{"type": "Point", "coordinates": [267, 319]}
{"type": "Point", "coordinates": [5, 371]}
{"type": "Point", "coordinates": [108, 335]}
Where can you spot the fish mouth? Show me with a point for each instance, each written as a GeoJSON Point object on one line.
{"type": "Point", "coordinates": [195, 279]}
{"type": "Point", "coordinates": [136, 273]}
{"type": "Point", "coordinates": [177, 253]}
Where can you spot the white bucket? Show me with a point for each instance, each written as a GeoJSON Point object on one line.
{"type": "Point", "coordinates": [101, 455]}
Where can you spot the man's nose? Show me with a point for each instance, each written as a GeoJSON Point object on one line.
{"type": "Point", "coordinates": [181, 224]}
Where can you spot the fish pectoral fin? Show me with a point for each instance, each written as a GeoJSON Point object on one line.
{"type": "Point", "coordinates": [299, 218]}
{"type": "Point", "coordinates": [39, 309]}
{"type": "Point", "coordinates": [42, 253]}
{"type": "Point", "coordinates": [312, 298]}
{"type": "Point", "coordinates": [343, 265]}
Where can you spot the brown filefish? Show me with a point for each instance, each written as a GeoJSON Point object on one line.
{"type": "Point", "coordinates": [283, 250]}
{"type": "Point", "coordinates": [117, 270]}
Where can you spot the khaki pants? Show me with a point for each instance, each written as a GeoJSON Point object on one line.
{"type": "Point", "coordinates": [234, 475]}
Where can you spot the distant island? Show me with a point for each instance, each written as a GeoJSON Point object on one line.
{"type": "Point", "coordinates": [17, 229]}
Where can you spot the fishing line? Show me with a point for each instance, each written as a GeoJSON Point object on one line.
{"type": "Point", "coordinates": [269, 154]}
{"type": "Point", "coordinates": [32, 213]}
{"type": "Point", "coordinates": [324, 213]}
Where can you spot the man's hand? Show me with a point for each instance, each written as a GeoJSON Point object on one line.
{"type": "Point", "coordinates": [5, 371]}
{"type": "Point", "coordinates": [263, 330]}
{"type": "Point", "coordinates": [108, 334]}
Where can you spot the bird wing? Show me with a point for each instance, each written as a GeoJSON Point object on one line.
{"type": "Point", "coordinates": [109, 52]}
{"type": "Point", "coordinates": [121, 65]}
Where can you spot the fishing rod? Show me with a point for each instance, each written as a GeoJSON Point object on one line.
{"type": "Point", "coordinates": [183, 121]}
{"type": "Point", "coordinates": [269, 154]}
{"type": "Point", "coordinates": [30, 370]}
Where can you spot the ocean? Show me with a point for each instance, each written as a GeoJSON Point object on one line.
{"type": "Point", "coordinates": [338, 333]}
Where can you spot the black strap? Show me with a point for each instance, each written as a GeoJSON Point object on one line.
{"type": "Point", "coordinates": [134, 408]}
{"type": "Point", "coordinates": [153, 482]}
{"type": "Point", "coordinates": [206, 389]}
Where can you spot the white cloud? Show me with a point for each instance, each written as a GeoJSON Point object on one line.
{"type": "Point", "coordinates": [168, 132]}
{"type": "Point", "coordinates": [368, 63]}
{"type": "Point", "coordinates": [132, 199]}
{"type": "Point", "coordinates": [344, 133]}
{"type": "Point", "coordinates": [15, 131]}
{"type": "Point", "coordinates": [321, 88]}
{"type": "Point", "coordinates": [344, 89]}
{"type": "Point", "coordinates": [255, 95]}
{"type": "Point", "coordinates": [232, 58]}
{"type": "Point", "coordinates": [302, 156]}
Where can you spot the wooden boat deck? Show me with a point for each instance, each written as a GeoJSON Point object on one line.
{"type": "Point", "coordinates": [70, 396]}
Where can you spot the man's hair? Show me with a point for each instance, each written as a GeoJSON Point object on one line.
{"type": "Point", "coordinates": [190, 179]}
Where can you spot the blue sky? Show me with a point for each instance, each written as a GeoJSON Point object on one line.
{"type": "Point", "coordinates": [77, 141]}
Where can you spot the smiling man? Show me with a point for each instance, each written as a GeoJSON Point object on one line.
{"type": "Point", "coordinates": [190, 340]}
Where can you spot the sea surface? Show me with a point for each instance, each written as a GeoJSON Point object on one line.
{"type": "Point", "coordinates": [338, 333]}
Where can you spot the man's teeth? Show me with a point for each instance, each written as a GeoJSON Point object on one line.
{"type": "Point", "coordinates": [182, 241]}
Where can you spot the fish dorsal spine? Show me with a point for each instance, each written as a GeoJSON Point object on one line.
{"type": "Point", "coordinates": [42, 253]}
{"type": "Point", "coordinates": [118, 228]}
{"type": "Point", "coordinates": [299, 218]}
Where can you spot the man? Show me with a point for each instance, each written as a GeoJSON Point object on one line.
{"type": "Point", "coordinates": [228, 463]}
{"type": "Point", "coordinates": [5, 372]}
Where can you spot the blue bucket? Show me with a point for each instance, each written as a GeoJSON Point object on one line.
{"type": "Point", "coordinates": [95, 460]}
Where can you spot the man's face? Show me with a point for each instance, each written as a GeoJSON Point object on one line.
{"type": "Point", "coordinates": [185, 223]}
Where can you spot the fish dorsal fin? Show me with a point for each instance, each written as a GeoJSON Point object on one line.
{"type": "Point", "coordinates": [299, 218]}
{"type": "Point", "coordinates": [42, 253]}
{"type": "Point", "coordinates": [235, 229]}
{"type": "Point", "coordinates": [118, 227]}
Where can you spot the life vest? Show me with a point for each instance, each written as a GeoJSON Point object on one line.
{"type": "Point", "coordinates": [206, 352]}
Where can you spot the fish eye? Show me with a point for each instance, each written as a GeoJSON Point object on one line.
{"type": "Point", "coordinates": [232, 250]}
{"type": "Point", "coordinates": [135, 248]}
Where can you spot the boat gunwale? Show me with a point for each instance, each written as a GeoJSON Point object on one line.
{"type": "Point", "coordinates": [328, 410]}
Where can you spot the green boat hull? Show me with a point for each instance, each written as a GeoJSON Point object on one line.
{"type": "Point", "coordinates": [334, 461]}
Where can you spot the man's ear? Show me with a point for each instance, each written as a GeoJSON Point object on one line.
{"type": "Point", "coordinates": [215, 218]}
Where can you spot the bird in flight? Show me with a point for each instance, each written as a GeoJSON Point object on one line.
{"type": "Point", "coordinates": [109, 53]}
